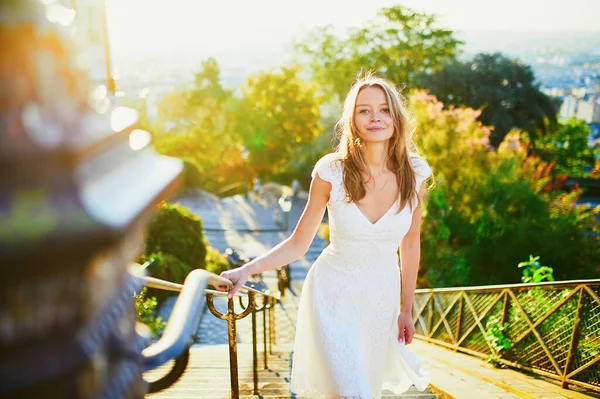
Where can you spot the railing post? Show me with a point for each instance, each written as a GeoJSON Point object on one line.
{"type": "Point", "coordinates": [459, 317]}
{"type": "Point", "coordinates": [430, 316]}
{"type": "Point", "coordinates": [264, 312]}
{"type": "Point", "coordinates": [233, 364]}
{"type": "Point", "coordinates": [271, 303]}
{"type": "Point", "coordinates": [254, 349]}
{"type": "Point", "coordinates": [231, 317]}
{"type": "Point", "coordinates": [574, 338]}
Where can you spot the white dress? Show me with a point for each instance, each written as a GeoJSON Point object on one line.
{"type": "Point", "coordinates": [346, 335]}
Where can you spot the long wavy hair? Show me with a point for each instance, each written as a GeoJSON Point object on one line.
{"type": "Point", "coordinates": [401, 145]}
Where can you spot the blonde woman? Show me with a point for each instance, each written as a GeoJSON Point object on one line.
{"type": "Point", "coordinates": [353, 322]}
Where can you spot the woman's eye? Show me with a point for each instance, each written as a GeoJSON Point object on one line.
{"type": "Point", "coordinates": [363, 111]}
{"type": "Point", "coordinates": [386, 110]}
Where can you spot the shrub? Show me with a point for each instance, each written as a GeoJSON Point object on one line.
{"type": "Point", "coordinates": [534, 272]}
{"type": "Point", "coordinates": [324, 232]}
{"type": "Point", "coordinates": [174, 230]}
{"type": "Point", "coordinates": [491, 208]}
{"type": "Point", "coordinates": [192, 178]}
{"type": "Point", "coordinates": [215, 261]}
{"type": "Point", "coordinates": [145, 308]}
{"type": "Point", "coordinates": [166, 267]}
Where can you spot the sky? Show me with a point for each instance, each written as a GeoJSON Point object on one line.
{"type": "Point", "coordinates": [224, 26]}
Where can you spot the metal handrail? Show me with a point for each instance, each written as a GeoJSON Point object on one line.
{"type": "Point", "coordinates": [269, 299]}
{"type": "Point", "coordinates": [182, 323]}
{"type": "Point", "coordinates": [501, 286]}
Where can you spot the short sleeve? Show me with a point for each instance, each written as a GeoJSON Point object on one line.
{"type": "Point", "coordinates": [327, 168]}
{"type": "Point", "coordinates": [422, 169]}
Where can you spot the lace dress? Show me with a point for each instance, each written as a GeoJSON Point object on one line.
{"type": "Point", "coordinates": [346, 336]}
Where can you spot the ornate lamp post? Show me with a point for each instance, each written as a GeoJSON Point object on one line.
{"type": "Point", "coordinates": [76, 187]}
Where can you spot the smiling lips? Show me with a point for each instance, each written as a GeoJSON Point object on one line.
{"type": "Point", "coordinates": [374, 129]}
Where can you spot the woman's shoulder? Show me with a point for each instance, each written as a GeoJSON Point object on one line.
{"type": "Point", "coordinates": [420, 165]}
{"type": "Point", "coordinates": [328, 166]}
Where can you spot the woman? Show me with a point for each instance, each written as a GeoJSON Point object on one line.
{"type": "Point", "coordinates": [352, 327]}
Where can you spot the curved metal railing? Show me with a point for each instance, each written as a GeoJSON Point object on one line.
{"type": "Point", "coordinates": [176, 341]}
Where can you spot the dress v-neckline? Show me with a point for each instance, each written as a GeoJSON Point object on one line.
{"type": "Point", "coordinates": [378, 220]}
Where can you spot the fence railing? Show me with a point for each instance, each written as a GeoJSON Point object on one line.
{"type": "Point", "coordinates": [550, 328]}
{"type": "Point", "coordinates": [246, 294]}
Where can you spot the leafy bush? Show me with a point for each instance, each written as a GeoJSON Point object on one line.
{"type": "Point", "coordinates": [534, 272]}
{"type": "Point", "coordinates": [176, 231]}
{"type": "Point", "coordinates": [492, 208]}
{"type": "Point", "coordinates": [176, 245]}
{"type": "Point", "coordinates": [145, 309]}
{"type": "Point", "coordinates": [192, 178]}
{"type": "Point", "coordinates": [215, 261]}
{"type": "Point", "coordinates": [569, 148]}
{"type": "Point", "coordinates": [167, 267]}
{"type": "Point", "coordinates": [449, 263]}
{"type": "Point", "coordinates": [324, 232]}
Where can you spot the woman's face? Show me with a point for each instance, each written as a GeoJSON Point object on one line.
{"type": "Point", "coordinates": [372, 116]}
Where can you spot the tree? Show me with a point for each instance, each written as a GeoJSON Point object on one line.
{"type": "Point", "coordinates": [568, 147]}
{"type": "Point", "coordinates": [490, 208]}
{"type": "Point", "coordinates": [209, 96]}
{"type": "Point", "coordinates": [503, 88]}
{"type": "Point", "coordinates": [195, 125]}
{"type": "Point", "coordinates": [277, 114]}
{"type": "Point", "coordinates": [399, 43]}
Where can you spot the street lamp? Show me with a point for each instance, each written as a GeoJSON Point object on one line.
{"type": "Point", "coordinates": [285, 203]}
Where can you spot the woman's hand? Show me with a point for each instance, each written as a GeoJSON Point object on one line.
{"type": "Point", "coordinates": [406, 328]}
{"type": "Point", "coordinates": [237, 276]}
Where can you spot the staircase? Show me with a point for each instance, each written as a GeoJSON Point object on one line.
{"type": "Point", "coordinates": [207, 375]}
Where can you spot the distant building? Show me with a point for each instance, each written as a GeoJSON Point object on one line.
{"type": "Point", "coordinates": [568, 107]}
{"type": "Point", "coordinates": [579, 92]}
{"type": "Point", "coordinates": [554, 92]}
{"type": "Point", "coordinates": [589, 111]}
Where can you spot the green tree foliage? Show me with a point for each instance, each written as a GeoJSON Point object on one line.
{"type": "Point", "coordinates": [399, 43]}
{"type": "Point", "coordinates": [277, 115]}
{"type": "Point", "coordinates": [194, 124]}
{"type": "Point", "coordinates": [568, 147]}
{"type": "Point", "coordinates": [215, 261]}
{"type": "Point", "coordinates": [209, 98]}
{"type": "Point", "coordinates": [490, 209]}
{"type": "Point", "coordinates": [504, 89]}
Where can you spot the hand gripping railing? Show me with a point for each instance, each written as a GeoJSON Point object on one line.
{"type": "Point", "coordinates": [177, 336]}
{"type": "Point", "coordinates": [175, 345]}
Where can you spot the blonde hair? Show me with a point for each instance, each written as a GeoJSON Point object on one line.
{"type": "Point", "coordinates": [400, 148]}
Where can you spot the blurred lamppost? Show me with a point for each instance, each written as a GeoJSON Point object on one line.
{"type": "Point", "coordinates": [285, 203]}
{"type": "Point", "coordinates": [78, 180]}
{"type": "Point", "coordinates": [283, 273]}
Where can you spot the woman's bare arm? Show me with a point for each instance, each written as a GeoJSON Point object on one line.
{"type": "Point", "coordinates": [298, 243]}
{"type": "Point", "coordinates": [291, 248]}
{"type": "Point", "coordinates": [410, 253]}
